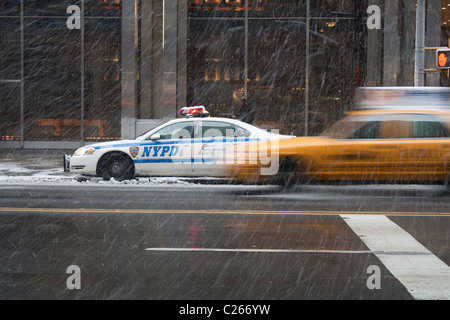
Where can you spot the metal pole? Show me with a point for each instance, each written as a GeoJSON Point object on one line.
{"type": "Point", "coordinates": [22, 74]}
{"type": "Point", "coordinates": [308, 23]}
{"type": "Point", "coordinates": [82, 74]}
{"type": "Point", "coordinates": [246, 50]}
{"type": "Point", "coordinates": [419, 68]}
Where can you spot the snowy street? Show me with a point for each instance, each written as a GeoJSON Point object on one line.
{"type": "Point", "coordinates": [167, 238]}
{"type": "Point", "coordinates": [205, 154]}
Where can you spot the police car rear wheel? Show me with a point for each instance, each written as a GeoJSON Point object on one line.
{"type": "Point", "coordinates": [116, 165]}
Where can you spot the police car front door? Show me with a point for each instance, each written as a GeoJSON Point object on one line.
{"type": "Point", "coordinates": [168, 151]}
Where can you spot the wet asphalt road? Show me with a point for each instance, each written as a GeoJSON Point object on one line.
{"type": "Point", "coordinates": [208, 242]}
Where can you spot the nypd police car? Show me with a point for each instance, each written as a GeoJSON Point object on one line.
{"type": "Point", "coordinates": [196, 145]}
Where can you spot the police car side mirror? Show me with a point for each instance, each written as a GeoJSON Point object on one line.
{"type": "Point", "coordinates": [155, 136]}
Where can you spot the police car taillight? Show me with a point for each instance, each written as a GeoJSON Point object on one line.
{"type": "Point", "coordinates": [197, 111]}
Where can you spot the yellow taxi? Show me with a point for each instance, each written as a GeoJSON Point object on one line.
{"type": "Point", "coordinates": [396, 134]}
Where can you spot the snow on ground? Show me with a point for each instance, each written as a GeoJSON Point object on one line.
{"type": "Point", "coordinates": [28, 167]}
{"type": "Point", "coordinates": [12, 173]}
{"type": "Point", "coordinates": [42, 178]}
{"type": "Point", "coordinates": [46, 167]}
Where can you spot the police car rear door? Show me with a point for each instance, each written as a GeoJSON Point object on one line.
{"type": "Point", "coordinates": [210, 146]}
{"type": "Point", "coordinates": [167, 152]}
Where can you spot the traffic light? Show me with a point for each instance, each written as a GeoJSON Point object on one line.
{"type": "Point", "coordinates": [443, 58]}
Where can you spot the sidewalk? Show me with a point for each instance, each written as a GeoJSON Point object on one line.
{"type": "Point", "coordinates": [37, 166]}
{"type": "Point", "coordinates": [32, 162]}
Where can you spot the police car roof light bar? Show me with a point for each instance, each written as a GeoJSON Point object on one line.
{"type": "Point", "coordinates": [195, 111]}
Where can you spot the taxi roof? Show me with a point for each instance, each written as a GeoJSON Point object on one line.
{"type": "Point", "coordinates": [403, 99]}
{"type": "Point", "coordinates": [399, 110]}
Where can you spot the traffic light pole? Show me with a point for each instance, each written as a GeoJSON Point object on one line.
{"type": "Point", "coordinates": [419, 68]}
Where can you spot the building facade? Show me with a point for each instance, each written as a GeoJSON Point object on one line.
{"type": "Point", "coordinates": [74, 72]}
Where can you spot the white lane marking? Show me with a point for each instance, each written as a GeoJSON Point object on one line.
{"type": "Point", "coordinates": [255, 250]}
{"type": "Point", "coordinates": [423, 274]}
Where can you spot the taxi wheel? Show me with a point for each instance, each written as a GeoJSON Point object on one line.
{"type": "Point", "coordinates": [447, 181]}
{"type": "Point", "coordinates": [287, 175]}
{"type": "Point", "coordinates": [116, 165]}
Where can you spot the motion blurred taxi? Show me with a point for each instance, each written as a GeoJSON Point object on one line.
{"type": "Point", "coordinates": [396, 134]}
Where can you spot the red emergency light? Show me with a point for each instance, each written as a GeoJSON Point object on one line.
{"type": "Point", "coordinates": [196, 111]}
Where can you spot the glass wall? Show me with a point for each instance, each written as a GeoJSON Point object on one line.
{"type": "Point", "coordinates": [276, 72]}
{"type": "Point", "coordinates": [216, 65]}
{"type": "Point", "coordinates": [63, 100]}
{"type": "Point", "coordinates": [52, 73]}
{"type": "Point", "coordinates": [10, 70]}
{"type": "Point", "coordinates": [337, 59]}
{"type": "Point", "coordinates": [260, 52]}
{"type": "Point", "coordinates": [102, 70]}
{"type": "Point", "coordinates": [297, 62]}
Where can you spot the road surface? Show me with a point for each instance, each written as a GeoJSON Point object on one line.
{"type": "Point", "coordinates": [205, 241]}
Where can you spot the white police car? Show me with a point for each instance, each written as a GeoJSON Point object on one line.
{"type": "Point", "coordinates": [193, 146]}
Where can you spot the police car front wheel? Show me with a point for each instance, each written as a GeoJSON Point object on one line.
{"type": "Point", "coordinates": [116, 165]}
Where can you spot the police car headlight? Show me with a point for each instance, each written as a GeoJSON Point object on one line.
{"type": "Point", "coordinates": [85, 151]}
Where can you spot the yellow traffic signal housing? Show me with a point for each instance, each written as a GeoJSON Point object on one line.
{"type": "Point", "coordinates": [443, 58]}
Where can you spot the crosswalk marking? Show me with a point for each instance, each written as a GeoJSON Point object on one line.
{"type": "Point", "coordinates": [423, 274]}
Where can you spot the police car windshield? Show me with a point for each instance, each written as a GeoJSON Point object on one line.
{"type": "Point", "coordinates": [181, 130]}
{"type": "Point", "coordinates": [148, 134]}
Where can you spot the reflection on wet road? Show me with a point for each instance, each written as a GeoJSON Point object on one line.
{"type": "Point", "coordinates": [224, 241]}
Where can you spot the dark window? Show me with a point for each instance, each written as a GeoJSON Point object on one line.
{"type": "Point", "coordinates": [241, 132]}
{"type": "Point", "coordinates": [367, 131]}
{"type": "Point", "coordinates": [428, 127]}
{"type": "Point", "coordinates": [180, 130]}
{"type": "Point", "coordinates": [211, 129]}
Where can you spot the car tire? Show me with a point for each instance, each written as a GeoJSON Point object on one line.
{"type": "Point", "coordinates": [447, 181]}
{"type": "Point", "coordinates": [116, 165]}
{"type": "Point", "coordinates": [288, 172]}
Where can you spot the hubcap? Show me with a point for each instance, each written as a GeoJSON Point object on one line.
{"type": "Point", "coordinates": [115, 168]}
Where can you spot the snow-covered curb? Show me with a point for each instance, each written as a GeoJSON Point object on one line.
{"type": "Point", "coordinates": [91, 181]}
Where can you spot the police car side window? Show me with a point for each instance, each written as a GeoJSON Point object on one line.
{"type": "Point", "coordinates": [241, 132]}
{"type": "Point", "coordinates": [176, 131]}
{"type": "Point", "coordinates": [211, 129]}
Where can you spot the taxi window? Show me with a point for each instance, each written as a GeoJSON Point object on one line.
{"type": "Point", "coordinates": [182, 130]}
{"type": "Point", "coordinates": [367, 131]}
{"type": "Point", "coordinates": [353, 127]}
{"type": "Point", "coordinates": [211, 129]}
{"type": "Point", "coordinates": [427, 126]}
{"type": "Point", "coordinates": [445, 122]}
{"type": "Point", "coordinates": [387, 126]}
{"type": "Point", "coordinates": [396, 126]}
